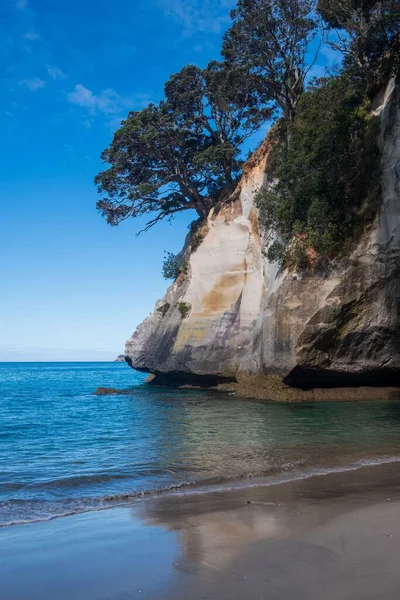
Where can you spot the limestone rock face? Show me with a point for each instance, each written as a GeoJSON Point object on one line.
{"type": "Point", "coordinates": [244, 317]}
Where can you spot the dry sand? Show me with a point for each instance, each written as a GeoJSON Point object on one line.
{"type": "Point", "coordinates": [334, 537]}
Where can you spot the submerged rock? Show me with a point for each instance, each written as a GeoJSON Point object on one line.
{"type": "Point", "coordinates": [253, 324]}
{"type": "Point", "coordinates": [101, 391]}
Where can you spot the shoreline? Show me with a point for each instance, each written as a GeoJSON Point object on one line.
{"type": "Point", "coordinates": [273, 390]}
{"type": "Point", "coordinates": [339, 394]}
{"type": "Point", "coordinates": [276, 391]}
{"type": "Point", "coordinates": [214, 486]}
{"type": "Point", "coordinates": [334, 536]}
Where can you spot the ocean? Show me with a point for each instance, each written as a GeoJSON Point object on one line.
{"type": "Point", "coordinates": [64, 450]}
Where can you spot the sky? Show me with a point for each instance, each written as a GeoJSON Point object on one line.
{"type": "Point", "coordinates": [74, 288]}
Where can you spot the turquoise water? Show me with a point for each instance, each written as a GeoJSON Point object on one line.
{"type": "Point", "coordinates": [65, 450]}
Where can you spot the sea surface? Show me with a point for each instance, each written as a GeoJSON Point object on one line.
{"type": "Point", "coordinates": [65, 450]}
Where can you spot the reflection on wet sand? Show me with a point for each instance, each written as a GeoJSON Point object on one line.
{"type": "Point", "coordinates": [220, 538]}
{"type": "Point", "coordinates": [214, 530]}
{"type": "Point", "coordinates": [324, 538]}
{"type": "Point", "coordinates": [217, 538]}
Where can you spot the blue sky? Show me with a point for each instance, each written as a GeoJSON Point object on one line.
{"type": "Point", "coordinates": [73, 287]}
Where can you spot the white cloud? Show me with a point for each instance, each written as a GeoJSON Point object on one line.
{"type": "Point", "coordinates": [21, 4]}
{"type": "Point", "coordinates": [32, 36]}
{"type": "Point", "coordinates": [32, 84]}
{"type": "Point", "coordinates": [107, 102]}
{"type": "Point", "coordinates": [205, 16]}
{"type": "Point", "coordinates": [55, 72]}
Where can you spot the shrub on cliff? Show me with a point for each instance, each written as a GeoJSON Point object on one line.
{"type": "Point", "coordinates": [325, 168]}
{"type": "Point", "coordinates": [173, 266]}
{"type": "Point", "coordinates": [184, 308]}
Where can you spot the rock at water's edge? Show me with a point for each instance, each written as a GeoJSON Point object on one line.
{"type": "Point", "coordinates": [120, 358]}
{"type": "Point", "coordinates": [250, 322]}
{"type": "Point", "coordinates": [101, 391]}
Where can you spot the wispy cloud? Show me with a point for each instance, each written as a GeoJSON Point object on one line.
{"type": "Point", "coordinates": [70, 153]}
{"type": "Point", "coordinates": [107, 103]}
{"type": "Point", "coordinates": [21, 4]}
{"type": "Point", "coordinates": [330, 55]}
{"type": "Point", "coordinates": [205, 16]}
{"type": "Point", "coordinates": [55, 73]}
{"type": "Point", "coordinates": [32, 84]}
{"type": "Point", "coordinates": [87, 123]}
{"type": "Point", "coordinates": [31, 36]}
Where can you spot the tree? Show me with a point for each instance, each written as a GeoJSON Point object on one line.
{"type": "Point", "coordinates": [184, 152]}
{"type": "Point", "coordinates": [223, 103]}
{"type": "Point", "coordinates": [269, 39]}
{"type": "Point", "coordinates": [366, 30]}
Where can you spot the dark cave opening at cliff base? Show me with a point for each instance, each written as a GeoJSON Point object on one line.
{"type": "Point", "coordinates": [176, 379]}
{"type": "Point", "coordinates": [308, 379]}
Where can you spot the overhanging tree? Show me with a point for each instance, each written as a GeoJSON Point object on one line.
{"type": "Point", "coordinates": [270, 39]}
{"type": "Point", "coordinates": [223, 103]}
{"type": "Point", "coordinates": [184, 152]}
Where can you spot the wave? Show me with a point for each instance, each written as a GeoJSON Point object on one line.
{"type": "Point", "coordinates": [64, 482]}
{"type": "Point", "coordinates": [288, 472]}
{"type": "Point", "coordinates": [272, 476]}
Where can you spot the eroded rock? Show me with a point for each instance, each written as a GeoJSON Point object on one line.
{"type": "Point", "coordinates": [250, 321]}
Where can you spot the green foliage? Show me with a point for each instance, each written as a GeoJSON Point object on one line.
{"type": "Point", "coordinates": [184, 308]}
{"type": "Point", "coordinates": [325, 169]}
{"type": "Point", "coordinates": [182, 153]}
{"type": "Point", "coordinates": [372, 32]}
{"type": "Point", "coordinates": [276, 252]}
{"type": "Point", "coordinates": [163, 309]}
{"type": "Point", "coordinates": [173, 266]}
{"type": "Point", "coordinates": [270, 40]}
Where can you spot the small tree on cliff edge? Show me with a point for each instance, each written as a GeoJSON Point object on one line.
{"type": "Point", "coordinates": [182, 153]}
{"type": "Point", "coordinates": [270, 40]}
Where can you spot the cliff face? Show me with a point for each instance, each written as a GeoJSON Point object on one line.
{"type": "Point", "coordinates": [247, 319]}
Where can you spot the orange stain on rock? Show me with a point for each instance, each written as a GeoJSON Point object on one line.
{"type": "Point", "coordinates": [225, 293]}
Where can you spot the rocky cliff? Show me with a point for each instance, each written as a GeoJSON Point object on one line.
{"type": "Point", "coordinates": [120, 358]}
{"type": "Point", "coordinates": [235, 317]}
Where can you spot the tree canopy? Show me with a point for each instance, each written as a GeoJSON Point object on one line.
{"type": "Point", "coordinates": [182, 153]}
{"type": "Point", "coordinates": [270, 40]}
{"type": "Point", "coordinates": [367, 30]}
{"type": "Point", "coordinates": [185, 152]}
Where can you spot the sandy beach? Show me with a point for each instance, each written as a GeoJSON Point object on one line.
{"type": "Point", "coordinates": [327, 537]}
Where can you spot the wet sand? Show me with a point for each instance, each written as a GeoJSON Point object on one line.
{"type": "Point", "coordinates": [334, 537]}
